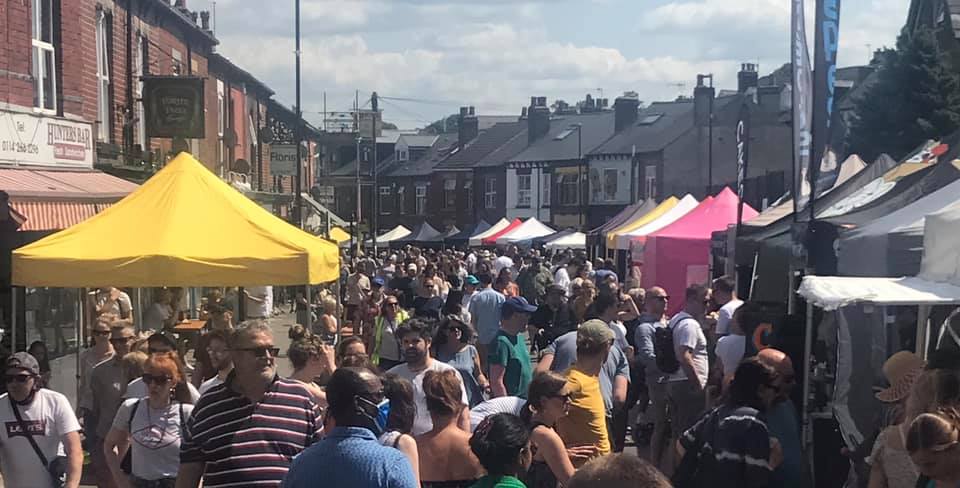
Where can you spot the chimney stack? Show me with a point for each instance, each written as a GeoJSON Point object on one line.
{"type": "Point", "coordinates": [468, 126]}
{"type": "Point", "coordinates": [625, 109]}
{"type": "Point", "coordinates": [205, 20]}
{"type": "Point", "coordinates": [181, 4]}
{"type": "Point", "coordinates": [747, 78]}
{"type": "Point", "coordinates": [538, 119]}
{"type": "Point", "coordinates": [193, 17]}
{"type": "Point", "coordinates": [703, 100]}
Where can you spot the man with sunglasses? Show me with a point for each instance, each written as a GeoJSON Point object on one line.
{"type": "Point", "coordinates": [247, 430]}
{"type": "Point", "coordinates": [782, 420]}
{"type": "Point", "coordinates": [350, 455]}
{"type": "Point", "coordinates": [37, 426]}
{"type": "Point", "coordinates": [108, 383]}
{"type": "Point", "coordinates": [652, 318]}
{"type": "Point", "coordinates": [157, 343]}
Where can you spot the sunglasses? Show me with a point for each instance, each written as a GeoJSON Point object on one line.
{"type": "Point", "coordinates": [19, 378]}
{"type": "Point", "coordinates": [120, 340]}
{"type": "Point", "coordinates": [661, 298]}
{"type": "Point", "coordinates": [101, 332]}
{"type": "Point", "coordinates": [155, 379]}
{"type": "Point", "coordinates": [158, 350]}
{"type": "Point", "coordinates": [261, 352]}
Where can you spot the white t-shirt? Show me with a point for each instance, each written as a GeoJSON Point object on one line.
{"type": "Point", "coordinates": [502, 262]}
{"type": "Point", "coordinates": [562, 279]}
{"type": "Point", "coordinates": [422, 423]}
{"type": "Point", "coordinates": [619, 335]}
{"type": "Point", "coordinates": [507, 404]}
{"type": "Point", "coordinates": [138, 389]}
{"type": "Point", "coordinates": [49, 416]}
{"type": "Point", "coordinates": [257, 309]}
{"type": "Point", "coordinates": [725, 315]}
{"type": "Point", "coordinates": [208, 384]}
{"type": "Point", "coordinates": [688, 333]}
{"type": "Point", "coordinates": [154, 437]}
{"type": "Point", "coordinates": [730, 350]}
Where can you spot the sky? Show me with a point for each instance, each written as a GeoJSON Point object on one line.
{"type": "Point", "coordinates": [496, 54]}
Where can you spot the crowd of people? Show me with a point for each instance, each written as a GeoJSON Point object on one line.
{"type": "Point", "coordinates": [453, 369]}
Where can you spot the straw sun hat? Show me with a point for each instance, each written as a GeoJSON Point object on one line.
{"type": "Point", "coordinates": [901, 370]}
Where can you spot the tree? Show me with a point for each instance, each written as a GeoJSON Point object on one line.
{"type": "Point", "coordinates": [438, 126]}
{"type": "Point", "coordinates": [916, 97]}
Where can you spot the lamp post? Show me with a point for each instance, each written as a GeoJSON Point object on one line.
{"type": "Point", "coordinates": [298, 132]}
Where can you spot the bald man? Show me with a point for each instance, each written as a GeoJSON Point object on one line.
{"type": "Point", "coordinates": [782, 420]}
{"type": "Point", "coordinates": [654, 308]}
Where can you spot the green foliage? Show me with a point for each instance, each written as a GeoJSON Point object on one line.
{"type": "Point", "coordinates": [916, 97]}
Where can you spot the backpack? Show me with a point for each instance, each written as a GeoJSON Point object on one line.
{"type": "Point", "coordinates": [663, 345]}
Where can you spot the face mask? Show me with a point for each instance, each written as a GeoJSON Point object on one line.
{"type": "Point", "coordinates": [383, 412]}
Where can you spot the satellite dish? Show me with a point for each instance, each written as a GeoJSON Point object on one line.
{"type": "Point", "coordinates": [266, 135]}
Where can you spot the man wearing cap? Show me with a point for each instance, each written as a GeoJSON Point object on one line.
{"type": "Point", "coordinates": [39, 429]}
{"type": "Point", "coordinates": [485, 314]}
{"type": "Point", "coordinates": [510, 369]}
{"type": "Point", "coordinates": [553, 318]}
{"type": "Point", "coordinates": [586, 424]}
{"type": "Point", "coordinates": [470, 284]}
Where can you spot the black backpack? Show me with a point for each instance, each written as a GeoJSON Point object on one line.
{"type": "Point", "coordinates": [663, 346]}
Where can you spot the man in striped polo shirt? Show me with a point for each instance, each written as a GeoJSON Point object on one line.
{"type": "Point", "coordinates": [246, 431]}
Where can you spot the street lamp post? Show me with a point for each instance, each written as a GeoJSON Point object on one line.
{"type": "Point", "coordinates": [298, 131]}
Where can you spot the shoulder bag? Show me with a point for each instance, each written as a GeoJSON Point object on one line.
{"type": "Point", "coordinates": [57, 468]}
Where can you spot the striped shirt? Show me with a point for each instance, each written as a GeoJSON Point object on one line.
{"type": "Point", "coordinates": [242, 443]}
{"type": "Point", "coordinates": [737, 453]}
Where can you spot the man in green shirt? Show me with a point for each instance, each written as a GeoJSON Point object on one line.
{"type": "Point", "coordinates": [510, 368]}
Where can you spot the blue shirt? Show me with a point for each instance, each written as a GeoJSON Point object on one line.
{"type": "Point", "coordinates": [485, 310]}
{"type": "Point", "coordinates": [350, 457]}
{"type": "Point", "coordinates": [783, 426]}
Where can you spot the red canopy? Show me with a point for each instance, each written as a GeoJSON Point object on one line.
{"type": "Point", "coordinates": [679, 255]}
{"type": "Point", "coordinates": [492, 240]}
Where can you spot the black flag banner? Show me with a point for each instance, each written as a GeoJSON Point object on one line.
{"type": "Point", "coordinates": [802, 95]}
{"type": "Point", "coordinates": [823, 170]}
{"type": "Point", "coordinates": [743, 155]}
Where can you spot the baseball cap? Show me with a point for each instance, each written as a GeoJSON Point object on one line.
{"type": "Point", "coordinates": [412, 267]}
{"type": "Point", "coordinates": [24, 361]}
{"type": "Point", "coordinates": [378, 281]}
{"type": "Point", "coordinates": [514, 305]}
{"type": "Point", "coordinates": [472, 280]}
{"type": "Point", "coordinates": [593, 334]}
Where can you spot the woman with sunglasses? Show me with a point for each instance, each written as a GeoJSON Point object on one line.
{"type": "Point", "coordinates": [452, 346]}
{"type": "Point", "coordinates": [151, 428]}
{"type": "Point", "coordinates": [547, 402]}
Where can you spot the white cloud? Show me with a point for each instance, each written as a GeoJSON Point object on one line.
{"type": "Point", "coordinates": [711, 14]}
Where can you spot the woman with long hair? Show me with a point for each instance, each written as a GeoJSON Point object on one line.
{"type": "Point", "coordinates": [502, 444]}
{"type": "Point", "coordinates": [38, 349]}
{"type": "Point", "coordinates": [403, 410]}
{"type": "Point", "coordinates": [547, 402]}
{"type": "Point", "coordinates": [912, 391]}
{"type": "Point", "coordinates": [309, 357]}
{"type": "Point", "coordinates": [452, 346]}
{"type": "Point", "coordinates": [446, 460]}
{"type": "Point", "coordinates": [151, 428]}
{"type": "Point", "coordinates": [933, 442]}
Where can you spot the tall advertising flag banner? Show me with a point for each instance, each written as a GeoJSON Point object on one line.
{"type": "Point", "coordinates": [743, 156]}
{"type": "Point", "coordinates": [824, 170]}
{"type": "Point", "coordinates": [802, 94]}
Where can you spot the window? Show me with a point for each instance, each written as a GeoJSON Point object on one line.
{"type": "Point", "coordinates": [650, 182]}
{"type": "Point", "coordinates": [490, 193]}
{"type": "Point", "coordinates": [545, 189]}
{"type": "Point", "coordinates": [176, 62]}
{"type": "Point", "coordinates": [609, 184]}
{"type": "Point", "coordinates": [421, 199]}
{"type": "Point", "coordinates": [103, 75]}
{"type": "Point", "coordinates": [523, 191]}
{"type": "Point", "coordinates": [44, 57]}
{"type": "Point", "coordinates": [563, 134]}
{"type": "Point", "coordinates": [569, 189]}
{"type": "Point", "coordinates": [401, 202]}
{"type": "Point", "coordinates": [650, 119]}
{"type": "Point", "coordinates": [450, 193]}
{"type": "Point", "coordinates": [141, 68]}
{"type": "Point", "coordinates": [221, 122]}
{"type": "Point", "coordinates": [401, 154]}
{"type": "Point", "coordinates": [385, 201]}
{"type": "Point", "coordinates": [468, 188]}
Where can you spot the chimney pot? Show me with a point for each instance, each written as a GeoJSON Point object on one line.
{"type": "Point", "coordinates": [748, 77]}
{"type": "Point", "coordinates": [538, 119]}
{"type": "Point", "coordinates": [625, 110]}
{"type": "Point", "coordinates": [468, 126]}
{"type": "Point", "coordinates": [180, 4]}
{"type": "Point", "coordinates": [523, 112]}
{"type": "Point", "coordinates": [193, 17]}
{"type": "Point", "coordinates": [472, 110]}
{"type": "Point", "coordinates": [463, 112]}
{"type": "Point", "coordinates": [205, 20]}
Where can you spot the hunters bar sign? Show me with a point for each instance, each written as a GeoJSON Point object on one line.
{"type": "Point", "coordinates": [29, 139]}
{"type": "Point", "coordinates": [174, 106]}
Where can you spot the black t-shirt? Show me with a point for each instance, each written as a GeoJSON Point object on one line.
{"type": "Point", "coordinates": [554, 322]}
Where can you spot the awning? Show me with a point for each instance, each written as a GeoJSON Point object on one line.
{"type": "Point", "coordinates": [40, 215]}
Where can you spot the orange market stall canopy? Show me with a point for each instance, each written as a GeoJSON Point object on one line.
{"type": "Point", "coordinates": [183, 227]}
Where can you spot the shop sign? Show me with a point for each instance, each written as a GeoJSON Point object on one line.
{"type": "Point", "coordinates": [28, 139]}
{"type": "Point", "coordinates": [174, 106]}
{"type": "Point", "coordinates": [283, 159]}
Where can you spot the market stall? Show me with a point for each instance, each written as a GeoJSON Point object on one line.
{"type": "Point", "coordinates": [462, 238]}
{"type": "Point", "coordinates": [398, 232]}
{"type": "Point", "coordinates": [634, 239]}
{"type": "Point", "coordinates": [526, 231]}
{"type": "Point", "coordinates": [612, 237]}
{"type": "Point", "coordinates": [477, 239]}
{"type": "Point", "coordinates": [423, 235]}
{"type": "Point", "coordinates": [596, 238]}
{"type": "Point", "coordinates": [491, 238]}
{"type": "Point", "coordinates": [574, 240]}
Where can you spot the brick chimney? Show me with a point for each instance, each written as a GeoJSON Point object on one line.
{"type": "Point", "coordinates": [468, 126]}
{"type": "Point", "coordinates": [181, 4]}
{"type": "Point", "coordinates": [538, 119]}
{"type": "Point", "coordinates": [205, 20]}
{"type": "Point", "coordinates": [747, 78]}
{"type": "Point", "coordinates": [625, 110]}
{"type": "Point", "coordinates": [703, 100]}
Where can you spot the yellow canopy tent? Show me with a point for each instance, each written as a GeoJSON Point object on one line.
{"type": "Point", "coordinates": [183, 227]}
{"type": "Point", "coordinates": [635, 224]}
{"type": "Point", "coordinates": [339, 235]}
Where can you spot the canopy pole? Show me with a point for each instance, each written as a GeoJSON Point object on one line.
{"type": "Point", "coordinates": [78, 330]}
{"type": "Point", "coordinates": [138, 310]}
{"type": "Point", "coordinates": [807, 357]}
{"type": "Point", "coordinates": [13, 318]}
{"type": "Point", "coordinates": [923, 331]}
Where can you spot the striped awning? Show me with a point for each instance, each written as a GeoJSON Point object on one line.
{"type": "Point", "coordinates": [40, 215]}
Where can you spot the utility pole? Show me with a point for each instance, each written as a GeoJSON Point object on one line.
{"type": "Point", "coordinates": [375, 194]}
{"type": "Point", "coordinates": [356, 114]}
{"type": "Point", "coordinates": [297, 203]}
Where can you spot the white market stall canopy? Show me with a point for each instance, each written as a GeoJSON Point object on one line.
{"type": "Point", "coordinates": [937, 284]}
{"type": "Point", "coordinates": [576, 240]}
{"type": "Point", "coordinates": [398, 232]}
{"type": "Point", "coordinates": [531, 229]}
{"type": "Point", "coordinates": [493, 230]}
{"type": "Point", "coordinates": [683, 207]}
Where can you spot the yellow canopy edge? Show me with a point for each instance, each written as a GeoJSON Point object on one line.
{"type": "Point", "coordinates": [339, 235]}
{"type": "Point", "coordinates": [183, 227]}
{"type": "Point", "coordinates": [633, 225]}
